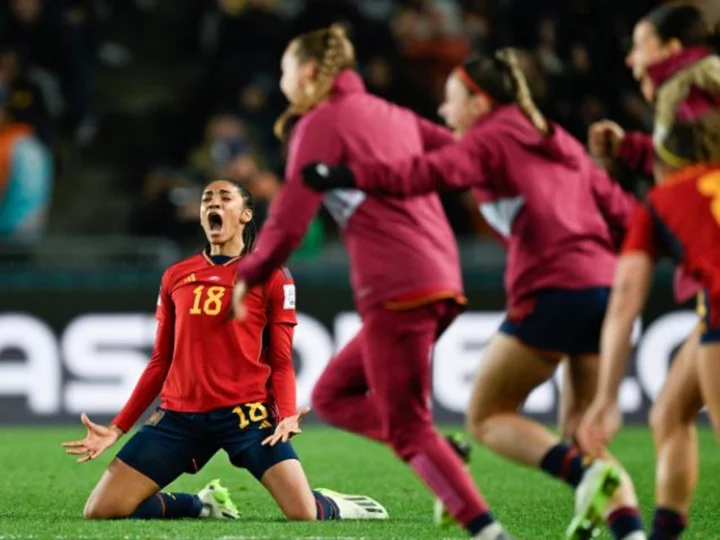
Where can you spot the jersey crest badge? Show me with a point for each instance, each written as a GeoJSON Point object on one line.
{"type": "Point", "coordinates": [289, 293]}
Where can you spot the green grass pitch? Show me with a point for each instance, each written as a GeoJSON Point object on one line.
{"type": "Point", "coordinates": [43, 491]}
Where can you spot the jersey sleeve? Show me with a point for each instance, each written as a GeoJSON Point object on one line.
{"type": "Point", "coordinates": [153, 377]}
{"type": "Point", "coordinates": [434, 136]}
{"type": "Point", "coordinates": [641, 233]}
{"type": "Point", "coordinates": [637, 152]}
{"type": "Point", "coordinates": [281, 298]}
{"type": "Point", "coordinates": [615, 205]}
{"type": "Point", "coordinates": [281, 322]}
{"type": "Point", "coordinates": [454, 167]}
{"type": "Point", "coordinates": [295, 206]}
{"type": "Point", "coordinates": [282, 373]}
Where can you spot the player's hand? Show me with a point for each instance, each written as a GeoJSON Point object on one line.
{"type": "Point", "coordinates": [322, 177]}
{"type": "Point", "coordinates": [97, 440]}
{"type": "Point", "coordinates": [604, 139]}
{"type": "Point", "coordinates": [238, 301]}
{"type": "Point", "coordinates": [287, 428]}
{"type": "Point", "coordinates": [599, 425]}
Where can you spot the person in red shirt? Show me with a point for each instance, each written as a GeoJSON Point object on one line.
{"type": "Point", "coordinates": [404, 262]}
{"type": "Point", "coordinates": [679, 219]}
{"type": "Point", "coordinates": [527, 175]}
{"type": "Point", "coordinates": [662, 34]}
{"type": "Point", "coordinates": [223, 384]}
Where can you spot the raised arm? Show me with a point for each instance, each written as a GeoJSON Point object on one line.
{"type": "Point", "coordinates": [152, 379]}
{"type": "Point", "coordinates": [608, 141]}
{"type": "Point", "coordinates": [295, 206]}
{"type": "Point", "coordinates": [636, 151]}
{"type": "Point", "coordinates": [456, 167]}
{"type": "Point", "coordinates": [615, 204]}
{"type": "Point", "coordinates": [433, 135]}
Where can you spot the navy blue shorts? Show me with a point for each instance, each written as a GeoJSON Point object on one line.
{"type": "Point", "coordinates": [710, 314]}
{"type": "Point", "coordinates": [172, 443]}
{"type": "Point", "coordinates": [561, 322]}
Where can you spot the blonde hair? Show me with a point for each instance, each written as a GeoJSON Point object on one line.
{"type": "Point", "coordinates": [523, 97]}
{"type": "Point", "coordinates": [681, 143]}
{"type": "Point", "coordinates": [333, 52]}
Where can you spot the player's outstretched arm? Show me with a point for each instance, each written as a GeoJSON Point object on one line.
{"type": "Point", "coordinates": [455, 167]}
{"type": "Point", "coordinates": [615, 205]}
{"type": "Point", "coordinates": [292, 210]}
{"type": "Point", "coordinates": [97, 439]}
{"type": "Point", "coordinates": [630, 291]}
{"type": "Point", "coordinates": [287, 428]}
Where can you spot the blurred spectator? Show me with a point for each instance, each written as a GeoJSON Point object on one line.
{"type": "Point", "coordinates": [372, 38]}
{"type": "Point", "coordinates": [58, 49]}
{"type": "Point", "coordinates": [24, 95]}
{"type": "Point", "coordinates": [225, 151]}
{"type": "Point", "coordinates": [250, 38]}
{"type": "Point", "coordinates": [432, 41]}
{"type": "Point", "coordinates": [476, 25]}
{"type": "Point", "coordinates": [547, 48]}
{"type": "Point", "coordinates": [224, 55]}
{"type": "Point", "coordinates": [26, 175]}
{"type": "Point", "coordinates": [170, 206]}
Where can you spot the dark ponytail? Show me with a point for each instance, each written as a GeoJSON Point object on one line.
{"type": "Point", "coordinates": [507, 78]}
{"type": "Point", "coordinates": [714, 39]}
{"type": "Point", "coordinates": [250, 231]}
{"type": "Point", "coordinates": [682, 22]}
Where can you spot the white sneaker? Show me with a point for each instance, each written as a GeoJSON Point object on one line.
{"type": "Point", "coordinates": [592, 497]}
{"type": "Point", "coordinates": [637, 535]}
{"type": "Point", "coordinates": [494, 531]}
{"type": "Point", "coordinates": [355, 506]}
{"type": "Point", "coordinates": [216, 502]}
{"type": "Point", "coordinates": [441, 516]}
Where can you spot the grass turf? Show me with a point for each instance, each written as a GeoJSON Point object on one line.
{"type": "Point", "coordinates": [43, 491]}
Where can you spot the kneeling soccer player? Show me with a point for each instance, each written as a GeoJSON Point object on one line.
{"type": "Point", "coordinates": [224, 384]}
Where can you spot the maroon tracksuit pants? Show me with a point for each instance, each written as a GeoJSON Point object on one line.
{"type": "Point", "coordinates": [379, 386]}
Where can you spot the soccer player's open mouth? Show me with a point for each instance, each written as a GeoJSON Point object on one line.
{"type": "Point", "coordinates": [215, 221]}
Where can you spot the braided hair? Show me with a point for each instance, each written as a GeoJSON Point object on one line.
{"type": "Point", "coordinates": [506, 78]}
{"type": "Point", "coordinates": [682, 136]}
{"type": "Point", "coordinates": [333, 52]}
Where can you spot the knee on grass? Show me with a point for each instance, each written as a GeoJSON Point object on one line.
{"type": "Point", "coordinates": [101, 510]}
{"type": "Point", "coordinates": [301, 513]}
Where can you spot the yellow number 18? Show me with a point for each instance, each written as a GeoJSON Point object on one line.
{"type": "Point", "coordinates": [213, 302]}
{"type": "Point", "coordinates": [709, 185]}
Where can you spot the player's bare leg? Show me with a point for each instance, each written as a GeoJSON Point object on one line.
{"type": "Point", "coordinates": [119, 492]}
{"type": "Point", "coordinates": [509, 373]}
{"type": "Point", "coordinates": [288, 485]}
{"type": "Point", "coordinates": [709, 371]}
{"type": "Point", "coordinates": [672, 419]}
{"type": "Point", "coordinates": [580, 377]}
{"type": "Point", "coordinates": [123, 492]}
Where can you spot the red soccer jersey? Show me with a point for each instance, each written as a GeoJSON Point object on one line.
{"type": "Point", "coordinates": [203, 359]}
{"type": "Point", "coordinates": [682, 219]}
